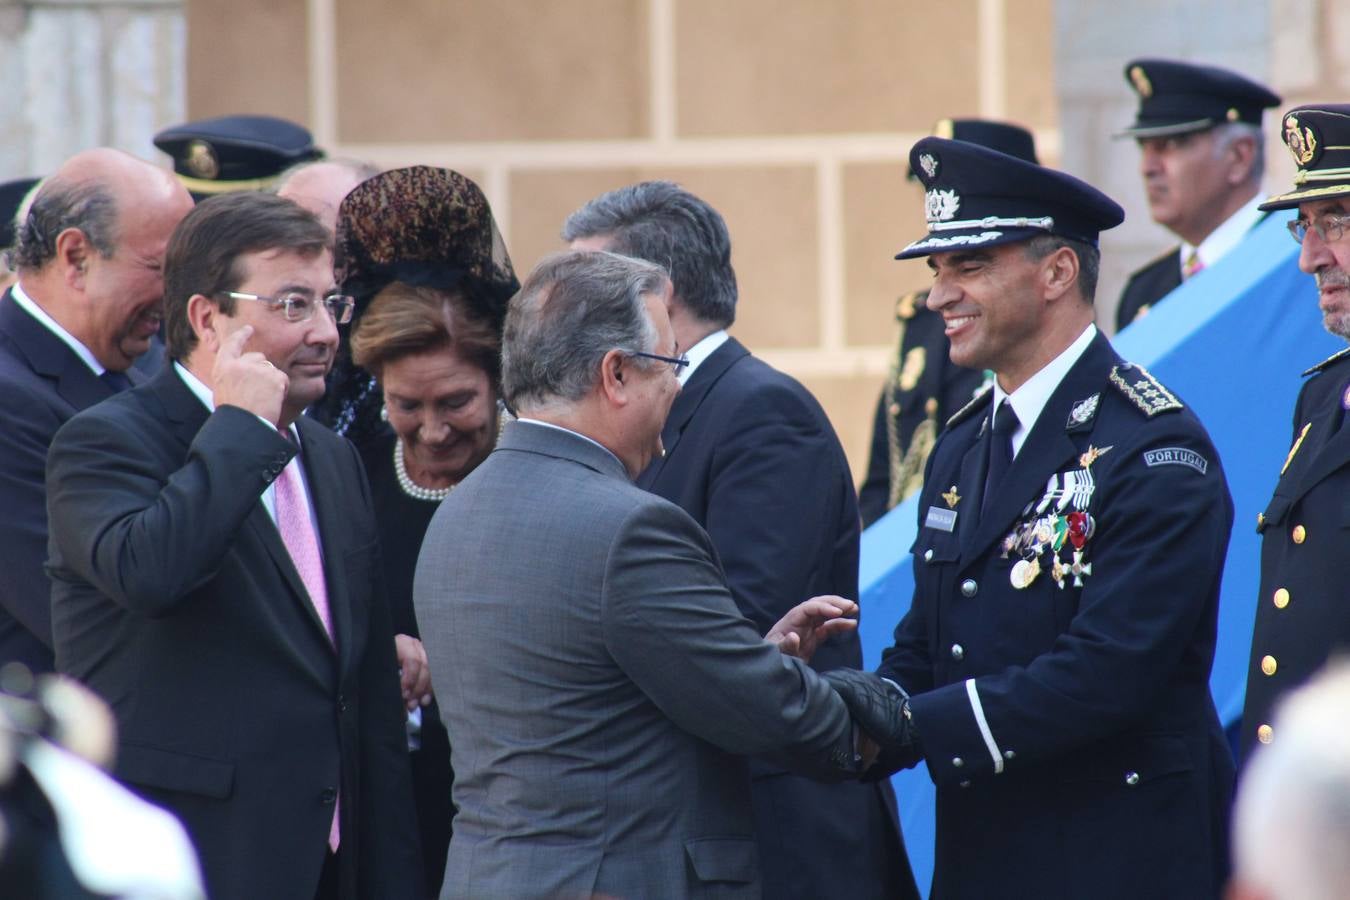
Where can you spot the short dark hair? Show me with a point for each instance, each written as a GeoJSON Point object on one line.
{"type": "Point", "coordinates": [573, 309]}
{"type": "Point", "coordinates": [205, 248]}
{"type": "Point", "coordinates": [61, 204]}
{"type": "Point", "coordinates": [1089, 259]}
{"type": "Point", "coordinates": [661, 222]}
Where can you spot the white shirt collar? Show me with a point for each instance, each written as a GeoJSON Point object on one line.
{"type": "Point", "coordinates": [1029, 399]}
{"type": "Point", "coordinates": [577, 433]}
{"type": "Point", "coordinates": [29, 305]}
{"type": "Point", "coordinates": [700, 352]}
{"type": "Point", "coordinates": [208, 397]}
{"type": "Point", "coordinates": [1227, 236]}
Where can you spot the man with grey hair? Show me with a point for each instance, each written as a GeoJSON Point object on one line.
{"type": "Point", "coordinates": [1291, 826]}
{"type": "Point", "coordinates": [1201, 157]}
{"type": "Point", "coordinates": [752, 458]}
{"type": "Point", "coordinates": [89, 256]}
{"type": "Point", "coordinates": [596, 678]}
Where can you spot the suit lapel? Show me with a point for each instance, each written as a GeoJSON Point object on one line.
{"type": "Point", "coordinates": [50, 357]}
{"type": "Point", "coordinates": [321, 468]}
{"type": "Point", "coordinates": [1047, 448]}
{"type": "Point", "coordinates": [1328, 454]}
{"type": "Point", "coordinates": [687, 402]}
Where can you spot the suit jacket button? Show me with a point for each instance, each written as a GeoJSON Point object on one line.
{"type": "Point", "coordinates": [957, 762]}
{"type": "Point", "coordinates": [1281, 599]}
{"type": "Point", "coordinates": [965, 784]}
{"type": "Point", "coordinates": [342, 704]}
{"type": "Point", "coordinates": [1268, 665]}
{"type": "Point", "coordinates": [969, 588]}
{"type": "Point", "coordinates": [1131, 778]}
{"type": "Point", "coordinates": [928, 555]}
{"type": "Point", "coordinates": [328, 796]}
{"type": "Point", "coordinates": [1300, 534]}
{"type": "Point", "coordinates": [958, 652]}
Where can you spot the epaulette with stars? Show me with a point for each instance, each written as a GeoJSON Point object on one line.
{"type": "Point", "coordinates": [1143, 390]}
{"type": "Point", "coordinates": [972, 407]}
{"type": "Point", "coordinates": [1335, 357]}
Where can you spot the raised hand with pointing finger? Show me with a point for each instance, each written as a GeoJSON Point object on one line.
{"type": "Point", "coordinates": [248, 380]}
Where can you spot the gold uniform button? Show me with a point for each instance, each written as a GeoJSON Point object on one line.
{"type": "Point", "coordinates": [1260, 519]}
{"type": "Point", "coordinates": [1265, 734]}
{"type": "Point", "coordinates": [1300, 534]}
{"type": "Point", "coordinates": [1268, 665]}
{"type": "Point", "coordinates": [1281, 598]}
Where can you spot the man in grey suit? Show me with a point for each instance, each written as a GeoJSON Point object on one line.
{"type": "Point", "coordinates": [598, 682]}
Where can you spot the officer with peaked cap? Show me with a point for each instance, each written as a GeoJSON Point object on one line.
{"type": "Point", "coordinates": [235, 153]}
{"type": "Point", "coordinates": [1053, 669]}
{"type": "Point", "coordinates": [925, 387]}
{"type": "Point", "coordinates": [1302, 612]}
{"type": "Point", "coordinates": [1201, 157]}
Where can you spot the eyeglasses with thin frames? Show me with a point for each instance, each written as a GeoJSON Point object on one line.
{"type": "Point", "coordinates": [677, 364]}
{"type": "Point", "coordinates": [1329, 227]}
{"type": "Point", "coordinates": [297, 306]}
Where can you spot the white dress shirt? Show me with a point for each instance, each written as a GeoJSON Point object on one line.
{"type": "Point", "coordinates": [701, 351]}
{"type": "Point", "coordinates": [1029, 399]}
{"type": "Point", "coordinates": [30, 306]}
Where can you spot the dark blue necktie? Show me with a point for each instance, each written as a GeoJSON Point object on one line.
{"type": "Point", "coordinates": [118, 381]}
{"type": "Point", "coordinates": [1000, 452]}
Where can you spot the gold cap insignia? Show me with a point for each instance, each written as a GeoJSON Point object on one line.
{"type": "Point", "coordinates": [201, 160]}
{"type": "Point", "coordinates": [944, 129]}
{"type": "Point", "coordinates": [1141, 82]}
{"type": "Point", "coordinates": [1302, 141]}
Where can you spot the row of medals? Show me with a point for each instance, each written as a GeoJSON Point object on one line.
{"type": "Point", "coordinates": [1031, 537]}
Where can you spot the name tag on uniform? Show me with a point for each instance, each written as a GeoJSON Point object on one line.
{"type": "Point", "coordinates": [941, 519]}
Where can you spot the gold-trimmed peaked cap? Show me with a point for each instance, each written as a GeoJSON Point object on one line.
{"type": "Point", "coordinates": [235, 153]}
{"type": "Point", "coordinates": [977, 197]}
{"type": "Point", "coordinates": [1318, 138]}
{"type": "Point", "coordinates": [1180, 97]}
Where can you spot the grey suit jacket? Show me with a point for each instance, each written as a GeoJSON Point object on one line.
{"type": "Point", "coordinates": [600, 686]}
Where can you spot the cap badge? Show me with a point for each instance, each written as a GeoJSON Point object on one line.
{"type": "Point", "coordinates": [201, 160]}
{"type": "Point", "coordinates": [928, 162]}
{"type": "Point", "coordinates": [941, 205]}
{"type": "Point", "coordinates": [1302, 141]}
{"type": "Point", "coordinates": [1141, 82]}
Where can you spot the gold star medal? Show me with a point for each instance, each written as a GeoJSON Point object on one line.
{"type": "Point", "coordinates": [952, 497]}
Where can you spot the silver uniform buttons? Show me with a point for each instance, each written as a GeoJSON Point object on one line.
{"type": "Point", "coordinates": [958, 652]}
{"type": "Point", "coordinates": [928, 555]}
{"type": "Point", "coordinates": [1131, 778]}
{"type": "Point", "coordinates": [969, 588]}
{"type": "Point", "coordinates": [957, 762]}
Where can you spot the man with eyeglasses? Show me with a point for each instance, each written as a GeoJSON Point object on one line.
{"type": "Point", "coordinates": [753, 458]}
{"type": "Point", "coordinates": [214, 559]}
{"type": "Point", "coordinates": [1302, 615]}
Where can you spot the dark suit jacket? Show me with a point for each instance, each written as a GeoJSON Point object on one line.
{"type": "Point", "coordinates": [1068, 723]}
{"type": "Point", "coordinates": [42, 384]}
{"type": "Point", "coordinates": [752, 458]}
{"type": "Point", "coordinates": [1301, 611]}
{"type": "Point", "coordinates": [1148, 285]}
{"type": "Point", "coordinates": [599, 685]}
{"type": "Point", "coordinates": [175, 599]}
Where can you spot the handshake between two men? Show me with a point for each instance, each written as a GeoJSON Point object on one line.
{"type": "Point", "coordinates": [879, 708]}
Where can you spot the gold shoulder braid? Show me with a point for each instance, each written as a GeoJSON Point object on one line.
{"type": "Point", "coordinates": [909, 477]}
{"type": "Point", "coordinates": [905, 308]}
{"type": "Point", "coordinates": [1143, 390]}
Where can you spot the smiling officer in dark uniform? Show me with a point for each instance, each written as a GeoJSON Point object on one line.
{"type": "Point", "coordinates": [1302, 614]}
{"type": "Point", "coordinates": [925, 388]}
{"type": "Point", "coordinates": [1073, 526]}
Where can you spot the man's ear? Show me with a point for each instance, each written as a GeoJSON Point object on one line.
{"type": "Point", "coordinates": [1059, 272]}
{"type": "Point", "coordinates": [613, 370]}
{"type": "Point", "coordinates": [204, 316]}
{"type": "Point", "coordinates": [1241, 155]}
{"type": "Point", "coordinates": [73, 254]}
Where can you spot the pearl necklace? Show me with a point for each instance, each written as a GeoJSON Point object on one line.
{"type": "Point", "coordinates": [411, 488]}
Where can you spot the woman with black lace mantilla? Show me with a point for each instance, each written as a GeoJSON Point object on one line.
{"type": "Point", "coordinates": [419, 250]}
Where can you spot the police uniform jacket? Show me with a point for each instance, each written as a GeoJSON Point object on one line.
{"type": "Point", "coordinates": [1147, 286]}
{"type": "Point", "coordinates": [1067, 723]}
{"type": "Point", "coordinates": [924, 390]}
{"type": "Point", "coordinates": [1301, 613]}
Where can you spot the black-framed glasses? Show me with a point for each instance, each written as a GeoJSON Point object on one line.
{"type": "Point", "coordinates": [1329, 227]}
{"type": "Point", "coordinates": [298, 306]}
{"type": "Point", "coordinates": [677, 363]}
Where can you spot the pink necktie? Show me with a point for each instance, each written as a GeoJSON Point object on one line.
{"type": "Point", "coordinates": [297, 533]}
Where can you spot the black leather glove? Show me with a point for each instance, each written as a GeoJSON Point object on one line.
{"type": "Point", "coordinates": [881, 710]}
